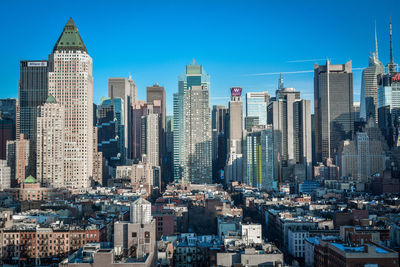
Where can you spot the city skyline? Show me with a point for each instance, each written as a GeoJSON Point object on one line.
{"type": "Point", "coordinates": [262, 46]}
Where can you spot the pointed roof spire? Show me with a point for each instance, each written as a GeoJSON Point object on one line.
{"type": "Point", "coordinates": [376, 44]}
{"type": "Point", "coordinates": [193, 62]}
{"type": "Point", "coordinates": [51, 99]}
{"type": "Point", "coordinates": [70, 39]}
{"type": "Point", "coordinates": [392, 67]}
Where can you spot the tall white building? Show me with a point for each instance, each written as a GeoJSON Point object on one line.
{"type": "Point", "coordinates": [151, 136]}
{"type": "Point", "coordinates": [5, 175]}
{"type": "Point", "coordinates": [50, 144]}
{"type": "Point", "coordinates": [71, 83]}
{"type": "Point", "coordinates": [369, 86]}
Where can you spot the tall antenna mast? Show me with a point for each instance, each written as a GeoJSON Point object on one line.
{"type": "Point", "coordinates": [376, 44]}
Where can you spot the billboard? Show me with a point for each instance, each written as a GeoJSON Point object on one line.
{"type": "Point", "coordinates": [37, 64]}
{"type": "Point", "coordinates": [236, 91]}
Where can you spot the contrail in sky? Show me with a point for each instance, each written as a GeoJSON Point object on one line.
{"type": "Point", "coordinates": [288, 72]}
{"type": "Point", "coordinates": [305, 60]}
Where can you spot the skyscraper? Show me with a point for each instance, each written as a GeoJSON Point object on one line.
{"type": "Point", "coordinates": [33, 92]}
{"type": "Point", "coordinates": [126, 90]}
{"type": "Point", "coordinates": [192, 127]}
{"type": "Point", "coordinates": [71, 83]}
{"type": "Point", "coordinates": [388, 98]}
{"type": "Point", "coordinates": [369, 86]}
{"type": "Point", "coordinates": [256, 106]}
{"type": "Point", "coordinates": [50, 144]}
{"type": "Point", "coordinates": [7, 132]}
{"type": "Point", "coordinates": [260, 158]}
{"type": "Point", "coordinates": [290, 117]}
{"type": "Point", "coordinates": [8, 110]}
{"type": "Point", "coordinates": [365, 155]}
{"type": "Point", "coordinates": [110, 134]}
{"type": "Point", "coordinates": [333, 107]}
{"type": "Point", "coordinates": [234, 169]}
{"type": "Point", "coordinates": [18, 159]}
{"type": "Point", "coordinates": [151, 134]}
{"type": "Point", "coordinates": [157, 93]}
{"type": "Point", "coordinates": [219, 122]}
{"type": "Point", "coordinates": [169, 147]}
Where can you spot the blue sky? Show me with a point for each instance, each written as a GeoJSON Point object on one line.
{"type": "Point", "coordinates": [154, 40]}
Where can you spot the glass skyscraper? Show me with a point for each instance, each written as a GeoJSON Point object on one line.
{"type": "Point", "coordinates": [33, 92]}
{"type": "Point", "coordinates": [256, 106]}
{"type": "Point", "coordinates": [192, 127]}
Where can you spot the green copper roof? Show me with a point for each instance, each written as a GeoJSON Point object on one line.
{"type": "Point", "coordinates": [70, 39]}
{"type": "Point", "coordinates": [51, 99]}
{"type": "Point", "coordinates": [30, 180]}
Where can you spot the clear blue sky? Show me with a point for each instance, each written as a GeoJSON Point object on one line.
{"type": "Point", "coordinates": [154, 40]}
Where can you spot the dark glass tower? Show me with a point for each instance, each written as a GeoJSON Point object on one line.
{"type": "Point", "coordinates": [33, 92]}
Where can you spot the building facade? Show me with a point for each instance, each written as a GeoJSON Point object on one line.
{"type": "Point", "coordinates": [256, 106]}
{"type": "Point", "coordinates": [50, 144]}
{"type": "Point", "coordinates": [71, 83]}
{"type": "Point", "coordinates": [33, 92]}
{"type": "Point", "coordinates": [192, 127]}
{"type": "Point", "coordinates": [333, 107]}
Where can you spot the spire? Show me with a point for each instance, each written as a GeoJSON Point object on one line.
{"type": "Point", "coordinates": [51, 99]}
{"type": "Point", "coordinates": [193, 62]}
{"type": "Point", "coordinates": [70, 39]}
{"type": "Point", "coordinates": [376, 44]}
{"type": "Point", "coordinates": [392, 67]}
{"type": "Point", "coordinates": [391, 45]}
{"type": "Point", "coordinates": [280, 83]}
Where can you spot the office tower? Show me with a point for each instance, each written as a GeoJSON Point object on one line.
{"type": "Point", "coordinates": [364, 156]}
{"type": "Point", "coordinates": [169, 148]}
{"type": "Point", "coordinates": [126, 90]}
{"type": "Point", "coordinates": [98, 161]}
{"type": "Point", "coordinates": [110, 133]}
{"type": "Point", "coordinates": [7, 132]}
{"type": "Point", "coordinates": [18, 159]}
{"type": "Point", "coordinates": [139, 110]}
{"type": "Point", "coordinates": [71, 83]}
{"type": "Point", "coordinates": [5, 175]}
{"type": "Point", "coordinates": [157, 93]}
{"type": "Point", "coordinates": [139, 234]}
{"type": "Point", "coordinates": [151, 134]}
{"type": "Point", "coordinates": [219, 124]}
{"type": "Point", "coordinates": [333, 107]}
{"type": "Point", "coordinates": [389, 105]}
{"type": "Point", "coordinates": [234, 169]}
{"type": "Point", "coordinates": [192, 127]}
{"type": "Point", "coordinates": [33, 92]}
{"type": "Point", "coordinates": [259, 158]}
{"type": "Point", "coordinates": [8, 110]}
{"type": "Point", "coordinates": [369, 86]}
{"type": "Point", "coordinates": [256, 106]}
{"type": "Point", "coordinates": [250, 122]}
{"type": "Point", "coordinates": [290, 117]}
{"type": "Point", "coordinates": [50, 144]}
{"type": "Point", "coordinates": [389, 100]}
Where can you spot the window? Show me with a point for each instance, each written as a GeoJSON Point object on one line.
{"type": "Point", "coordinates": [134, 234]}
